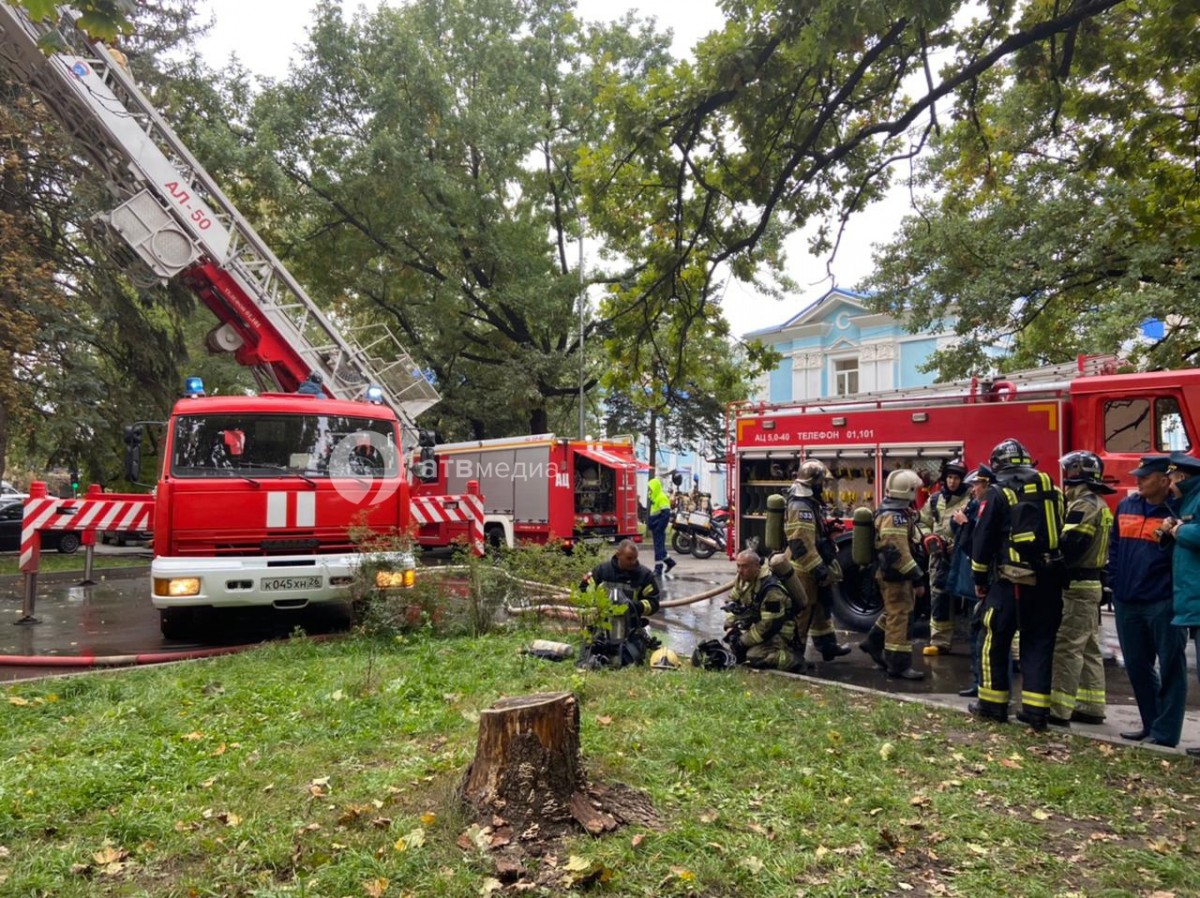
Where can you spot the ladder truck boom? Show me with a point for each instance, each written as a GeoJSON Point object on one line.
{"type": "Point", "coordinates": [172, 220]}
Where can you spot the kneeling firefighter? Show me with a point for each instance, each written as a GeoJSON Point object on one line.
{"type": "Point", "coordinates": [634, 596]}
{"type": "Point", "coordinates": [760, 619]}
{"type": "Point", "coordinates": [899, 577]}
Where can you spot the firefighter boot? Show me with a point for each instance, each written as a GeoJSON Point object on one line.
{"type": "Point", "coordinates": [827, 645]}
{"type": "Point", "coordinates": [1037, 719]}
{"type": "Point", "coordinates": [873, 646]}
{"type": "Point", "coordinates": [989, 711]}
{"type": "Point", "coordinates": [899, 666]}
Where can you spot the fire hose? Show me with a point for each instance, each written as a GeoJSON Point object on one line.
{"type": "Point", "coordinates": [569, 611]}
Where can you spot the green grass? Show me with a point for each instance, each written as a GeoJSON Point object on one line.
{"type": "Point", "coordinates": [53, 561]}
{"type": "Point", "coordinates": [297, 768]}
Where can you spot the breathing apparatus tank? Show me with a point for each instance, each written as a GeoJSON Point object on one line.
{"type": "Point", "coordinates": [781, 566]}
{"type": "Point", "coordinates": [774, 536]}
{"type": "Point", "coordinates": [862, 546]}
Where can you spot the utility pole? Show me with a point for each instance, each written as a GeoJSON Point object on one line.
{"type": "Point", "coordinates": [582, 303]}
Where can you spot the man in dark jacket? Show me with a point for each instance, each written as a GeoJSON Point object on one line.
{"type": "Point", "coordinates": [1139, 571]}
{"type": "Point", "coordinates": [624, 569]}
{"type": "Point", "coordinates": [635, 597]}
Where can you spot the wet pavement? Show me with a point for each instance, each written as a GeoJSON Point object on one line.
{"type": "Point", "coordinates": [113, 623]}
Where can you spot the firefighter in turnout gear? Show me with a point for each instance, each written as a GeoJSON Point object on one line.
{"type": "Point", "coordinates": [814, 559]}
{"type": "Point", "coordinates": [760, 618]}
{"type": "Point", "coordinates": [1077, 687]}
{"type": "Point", "coordinates": [937, 516]}
{"type": "Point", "coordinates": [899, 577]}
{"type": "Point", "coordinates": [1017, 567]}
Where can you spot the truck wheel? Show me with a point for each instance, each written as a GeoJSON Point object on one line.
{"type": "Point", "coordinates": [69, 544]}
{"type": "Point", "coordinates": [856, 600]}
{"type": "Point", "coordinates": [177, 623]}
{"type": "Point", "coordinates": [681, 542]}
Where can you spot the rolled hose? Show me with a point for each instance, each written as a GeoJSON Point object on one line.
{"type": "Point", "coordinates": [569, 611]}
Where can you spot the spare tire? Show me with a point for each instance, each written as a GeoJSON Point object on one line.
{"type": "Point", "coordinates": [856, 600]}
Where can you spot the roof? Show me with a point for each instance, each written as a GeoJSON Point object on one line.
{"type": "Point", "coordinates": [810, 311]}
{"type": "Point", "coordinates": [282, 403]}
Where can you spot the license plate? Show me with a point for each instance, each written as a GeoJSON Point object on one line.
{"type": "Point", "coordinates": [285, 584]}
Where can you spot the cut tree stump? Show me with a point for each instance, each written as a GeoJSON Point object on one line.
{"type": "Point", "coordinates": [527, 764]}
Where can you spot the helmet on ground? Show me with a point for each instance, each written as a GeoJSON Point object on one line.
{"type": "Point", "coordinates": [664, 659]}
{"type": "Point", "coordinates": [1009, 453]}
{"type": "Point", "coordinates": [903, 484]}
{"type": "Point", "coordinates": [954, 466]}
{"type": "Point", "coordinates": [712, 654]}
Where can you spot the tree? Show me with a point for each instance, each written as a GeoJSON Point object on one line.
{"type": "Point", "coordinates": [104, 20]}
{"type": "Point", "coordinates": [793, 113]}
{"type": "Point", "coordinates": [1069, 211]}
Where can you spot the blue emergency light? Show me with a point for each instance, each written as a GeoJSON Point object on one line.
{"type": "Point", "coordinates": [375, 394]}
{"type": "Point", "coordinates": [193, 387]}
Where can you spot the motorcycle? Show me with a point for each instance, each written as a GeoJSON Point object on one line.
{"type": "Point", "coordinates": [700, 533]}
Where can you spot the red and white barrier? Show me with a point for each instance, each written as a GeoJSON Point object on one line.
{"type": "Point", "coordinates": [95, 512]}
{"type": "Point", "coordinates": [444, 509]}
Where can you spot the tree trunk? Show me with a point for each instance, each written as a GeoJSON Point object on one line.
{"type": "Point", "coordinates": [527, 764]}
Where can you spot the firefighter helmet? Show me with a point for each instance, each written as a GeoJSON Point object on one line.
{"type": "Point", "coordinates": [1010, 453]}
{"type": "Point", "coordinates": [954, 466]}
{"type": "Point", "coordinates": [664, 659]}
{"type": "Point", "coordinates": [810, 478]}
{"type": "Point", "coordinates": [1082, 466]}
{"type": "Point", "coordinates": [903, 484]}
{"type": "Point", "coordinates": [712, 654]}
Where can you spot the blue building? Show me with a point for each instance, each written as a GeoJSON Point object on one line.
{"type": "Point", "coordinates": [837, 347]}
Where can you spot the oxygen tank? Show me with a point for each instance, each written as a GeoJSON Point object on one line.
{"type": "Point", "coordinates": [775, 506]}
{"type": "Point", "coordinates": [862, 547]}
{"type": "Point", "coordinates": [781, 566]}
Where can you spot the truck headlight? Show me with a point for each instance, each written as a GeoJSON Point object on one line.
{"type": "Point", "coordinates": [176, 587]}
{"type": "Point", "coordinates": [405, 579]}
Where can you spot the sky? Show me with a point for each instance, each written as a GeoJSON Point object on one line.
{"type": "Point", "coordinates": [265, 35]}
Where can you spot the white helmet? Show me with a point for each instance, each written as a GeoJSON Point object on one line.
{"type": "Point", "coordinates": [809, 478]}
{"type": "Point", "coordinates": [903, 484]}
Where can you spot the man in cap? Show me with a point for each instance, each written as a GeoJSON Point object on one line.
{"type": "Point", "coordinates": [1185, 562]}
{"type": "Point", "coordinates": [1139, 572]}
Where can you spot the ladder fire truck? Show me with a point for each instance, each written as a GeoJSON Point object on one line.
{"type": "Point", "coordinates": [862, 438]}
{"type": "Point", "coordinates": [256, 495]}
{"type": "Point", "coordinates": [537, 489]}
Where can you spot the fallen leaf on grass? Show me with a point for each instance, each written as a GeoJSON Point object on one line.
{"type": "Point", "coordinates": [637, 840]}
{"type": "Point", "coordinates": [820, 852]}
{"type": "Point", "coordinates": [414, 839]}
{"type": "Point", "coordinates": [192, 736]}
{"type": "Point", "coordinates": [1010, 763]}
{"type": "Point", "coordinates": [977, 849]}
{"type": "Point", "coordinates": [353, 812]}
{"type": "Point", "coordinates": [229, 818]}
{"type": "Point", "coordinates": [684, 873]}
{"type": "Point", "coordinates": [604, 720]}
{"type": "Point", "coordinates": [886, 750]}
{"type": "Point", "coordinates": [709, 816]}
{"type": "Point", "coordinates": [1040, 815]}
{"type": "Point", "coordinates": [428, 818]}
{"type": "Point", "coordinates": [491, 884]}
{"type": "Point", "coordinates": [751, 863]}
{"type": "Point", "coordinates": [374, 888]}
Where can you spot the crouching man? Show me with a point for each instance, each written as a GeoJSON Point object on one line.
{"type": "Point", "coordinates": [760, 620]}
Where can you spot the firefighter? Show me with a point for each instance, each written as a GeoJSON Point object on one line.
{"type": "Point", "coordinates": [639, 597]}
{"type": "Point", "coordinates": [937, 517]}
{"type": "Point", "coordinates": [760, 620]}
{"type": "Point", "coordinates": [659, 517]}
{"type": "Point", "coordinates": [1018, 571]}
{"type": "Point", "coordinates": [899, 577]}
{"type": "Point", "coordinates": [813, 558]}
{"type": "Point", "coordinates": [1077, 684]}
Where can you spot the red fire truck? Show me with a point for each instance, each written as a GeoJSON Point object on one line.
{"type": "Point", "coordinates": [536, 489]}
{"type": "Point", "coordinates": [256, 495]}
{"type": "Point", "coordinates": [861, 439]}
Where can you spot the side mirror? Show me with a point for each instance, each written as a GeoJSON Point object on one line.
{"type": "Point", "coordinates": [133, 452]}
{"type": "Point", "coordinates": [425, 471]}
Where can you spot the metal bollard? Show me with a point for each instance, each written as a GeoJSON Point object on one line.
{"type": "Point", "coordinates": [28, 599]}
{"type": "Point", "coordinates": [88, 558]}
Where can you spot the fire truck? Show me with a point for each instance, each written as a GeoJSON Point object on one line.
{"type": "Point", "coordinates": [536, 489]}
{"type": "Point", "coordinates": [862, 438]}
{"type": "Point", "coordinates": [256, 496]}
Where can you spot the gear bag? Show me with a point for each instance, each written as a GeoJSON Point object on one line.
{"type": "Point", "coordinates": [1035, 507]}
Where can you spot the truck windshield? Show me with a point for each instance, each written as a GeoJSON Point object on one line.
{"type": "Point", "coordinates": [263, 446]}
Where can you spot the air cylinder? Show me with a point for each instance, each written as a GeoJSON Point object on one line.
{"type": "Point", "coordinates": [775, 506]}
{"type": "Point", "coordinates": [862, 547]}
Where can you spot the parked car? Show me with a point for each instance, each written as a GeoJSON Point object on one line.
{"type": "Point", "coordinates": [8, 491]}
{"type": "Point", "coordinates": [11, 513]}
{"type": "Point", "coordinates": [125, 537]}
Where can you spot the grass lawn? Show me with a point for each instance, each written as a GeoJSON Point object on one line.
{"type": "Point", "coordinates": [328, 769]}
{"type": "Point", "coordinates": [53, 561]}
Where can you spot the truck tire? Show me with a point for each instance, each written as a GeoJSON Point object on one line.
{"type": "Point", "coordinates": [856, 600]}
{"type": "Point", "coordinates": [681, 542]}
{"type": "Point", "coordinates": [177, 623]}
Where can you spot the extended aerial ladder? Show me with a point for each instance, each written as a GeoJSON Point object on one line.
{"type": "Point", "coordinates": [172, 220]}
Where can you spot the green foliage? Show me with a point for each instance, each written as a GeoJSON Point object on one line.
{"type": "Point", "coordinates": [103, 20]}
{"type": "Point", "coordinates": [1067, 211]}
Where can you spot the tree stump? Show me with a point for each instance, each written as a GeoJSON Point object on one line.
{"type": "Point", "coordinates": [527, 764]}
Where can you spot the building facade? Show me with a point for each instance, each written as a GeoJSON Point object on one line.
{"type": "Point", "coordinates": [838, 347]}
